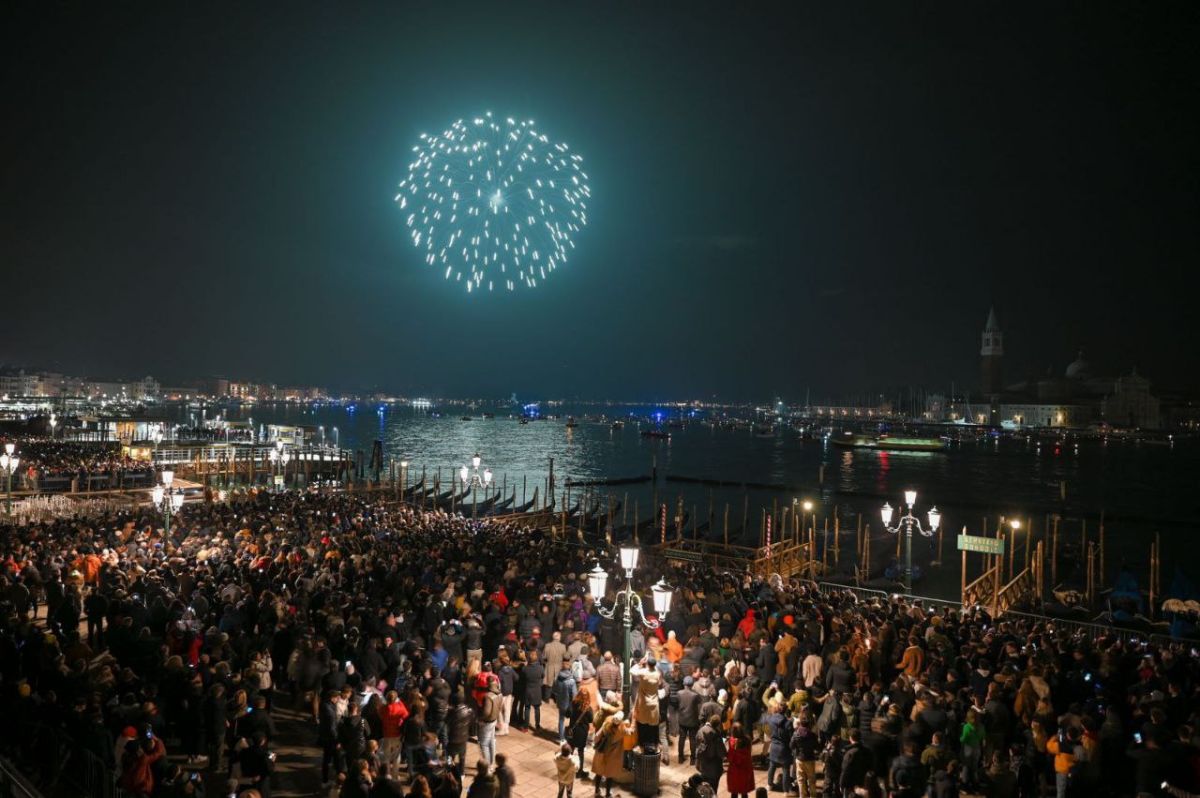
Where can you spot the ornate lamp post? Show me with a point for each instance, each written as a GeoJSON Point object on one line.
{"type": "Point", "coordinates": [907, 523]}
{"type": "Point", "coordinates": [471, 478]}
{"type": "Point", "coordinates": [8, 464]}
{"type": "Point", "coordinates": [626, 603]}
{"type": "Point", "coordinates": [279, 457]}
{"type": "Point", "coordinates": [53, 424]}
{"type": "Point", "coordinates": [167, 501]}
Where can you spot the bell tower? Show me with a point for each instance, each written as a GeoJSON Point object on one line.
{"type": "Point", "coordinates": [991, 356]}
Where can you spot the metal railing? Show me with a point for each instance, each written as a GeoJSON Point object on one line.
{"type": "Point", "coordinates": [1123, 634]}
{"type": "Point", "coordinates": [182, 455]}
{"type": "Point", "coordinates": [72, 766]}
{"type": "Point", "coordinates": [865, 593]}
{"type": "Point", "coordinates": [13, 784]}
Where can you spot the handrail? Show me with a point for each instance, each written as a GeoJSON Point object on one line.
{"type": "Point", "coordinates": [13, 784]}
{"type": "Point", "coordinates": [1096, 629]}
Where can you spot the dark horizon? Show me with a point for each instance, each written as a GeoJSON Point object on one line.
{"type": "Point", "coordinates": [791, 199]}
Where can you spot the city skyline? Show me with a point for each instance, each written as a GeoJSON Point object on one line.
{"type": "Point", "coordinates": [782, 201]}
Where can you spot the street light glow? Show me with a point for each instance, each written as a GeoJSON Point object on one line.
{"type": "Point", "coordinates": [629, 558]}
{"type": "Point", "coordinates": [597, 582]}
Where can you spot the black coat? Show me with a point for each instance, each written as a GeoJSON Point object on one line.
{"type": "Point", "coordinates": [532, 676]}
{"type": "Point", "coordinates": [857, 762]}
{"type": "Point", "coordinates": [458, 724]}
{"type": "Point", "coordinates": [689, 708]}
{"type": "Point", "coordinates": [710, 753]}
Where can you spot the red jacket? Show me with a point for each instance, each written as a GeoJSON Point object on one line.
{"type": "Point", "coordinates": [741, 769]}
{"type": "Point", "coordinates": [393, 717]}
{"type": "Point", "coordinates": [137, 774]}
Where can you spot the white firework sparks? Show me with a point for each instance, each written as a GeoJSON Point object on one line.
{"type": "Point", "coordinates": [494, 203]}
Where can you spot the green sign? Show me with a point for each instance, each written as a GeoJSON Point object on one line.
{"type": "Point", "coordinates": [682, 554]}
{"type": "Point", "coordinates": [981, 544]}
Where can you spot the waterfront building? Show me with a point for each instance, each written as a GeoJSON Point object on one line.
{"type": "Point", "coordinates": [1078, 398]}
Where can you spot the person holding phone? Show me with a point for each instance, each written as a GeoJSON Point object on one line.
{"type": "Point", "coordinates": [1066, 750]}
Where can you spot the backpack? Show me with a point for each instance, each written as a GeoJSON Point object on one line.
{"type": "Point", "coordinates": [491, 708]}
{"type": "Point", "coordinates": [831, 715]}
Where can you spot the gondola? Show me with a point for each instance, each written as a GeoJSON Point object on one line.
{"type": "Point", "coordinates": [601, 515]}
{"type": "Point", "coordinates": [449, 499]}
{"type": "Point", "coordinates": [501, 506]}
{"type": "Point", "coordinates": [529, 505]}
{"type": "Point", "coordinates": [417, 490]}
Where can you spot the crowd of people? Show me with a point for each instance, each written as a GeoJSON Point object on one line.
{"type": "Point", "coordinates": [412, 641]}
{"type": "Point", "coordinates": [45, 462]}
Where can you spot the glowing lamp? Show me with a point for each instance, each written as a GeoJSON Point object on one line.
{"type": "Point", "coordinates": [476, 460]}
{"type": "Point", "coordinates": [886, 512]}
{"type": "Point", "coordinates": [487, 476]}
{"type": "Point", "coordinates": [168, 477]}
{"type": "Point", "coordinates": [157, 494]}
{"type": "Point", "coordinates": [808, 505]}
{"type": "Point", "coordinates": [176, 500]}
{"type": "Point", "coordinates": [910, 498]}
{"type": "Point", "coordinates": [597, 582]}
{"type": "Point", "coordinates": [9, 448]}
{"type": "Point", "coordinates": [1015, 523]}
{"type": "Point", "coordinates": [629, 558]}
{"type": "Point", "coordinates": [464, 474]}
{"type": "Point", "coordinates": [662, 597]}
{"type": "Point", "coordinates": [935, 519]}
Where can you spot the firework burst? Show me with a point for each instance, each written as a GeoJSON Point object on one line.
{"type": "Point", "coordinates": [494, 203]}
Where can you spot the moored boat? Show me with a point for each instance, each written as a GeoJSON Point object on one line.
{"type": "Point", "coordinates": [889, 443]}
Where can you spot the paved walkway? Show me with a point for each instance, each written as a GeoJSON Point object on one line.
{"type": "Point", "coordinates": [298, 772]}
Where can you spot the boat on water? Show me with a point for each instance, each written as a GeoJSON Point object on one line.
{"type": "Point", "coordinates": [889, 443]}
{"type": "Point", "coordinates": [571, 422]}
{"type": "Point", "coordinates": [656, 434]}
{"type": "Point", "coordinates": [618, 424]}
{"type": "Point", "coordinates": [524, 419]}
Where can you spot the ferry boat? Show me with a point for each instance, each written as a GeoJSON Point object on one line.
{"type": "Point", "coordinates": [889, 443]}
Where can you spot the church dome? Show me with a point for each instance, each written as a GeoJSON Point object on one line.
{"type": "Point", "coordinates": [1079, 369]}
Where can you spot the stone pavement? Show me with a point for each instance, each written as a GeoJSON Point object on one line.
{"type": "Point", "coordinates": [298, 773]}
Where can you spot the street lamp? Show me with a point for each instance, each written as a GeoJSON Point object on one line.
{"type": "Point", "coordinates": [8, 464]}
{"type": "Point", "coordinates": [53, 424]}
{"type": "Point", "coordinates": [471, 478]}
{"type": "Point", "coordinates": [167, 501]}
{"type": "Point", "coordinates": [907, 522]}
{"type": "Point", "coordinates": [279, 457]}
{"type": "Point", "coordinates": [625, 604]}
{"type": "Point", "coordinates": [403, 476]}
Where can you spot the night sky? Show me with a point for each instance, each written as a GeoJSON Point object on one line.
{"type": "Point", "coordinates": [783, 199]}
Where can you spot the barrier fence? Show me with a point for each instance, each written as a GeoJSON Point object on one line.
{"type": "Point", "coordinates": [1125, 635]}
{"type": "Point", "coordinates": [13, 784]}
